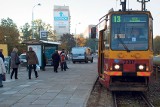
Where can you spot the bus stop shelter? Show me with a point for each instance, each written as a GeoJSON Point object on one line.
{"type": "Point", "coordinates": [44, 50]}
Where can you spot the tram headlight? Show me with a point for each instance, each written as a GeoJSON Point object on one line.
{"type": "Point", "coordinates": [141, 67]}
{"type": "Point", "coordinates": [117, 67]}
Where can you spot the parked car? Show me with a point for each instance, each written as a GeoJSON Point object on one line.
{"type": "Point", "coordinates": [23, 60]}
{"type": "Point", "coordinates": [81, 54]}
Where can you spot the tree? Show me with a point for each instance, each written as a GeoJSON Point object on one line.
{"type": "Point", "coordinates": [156, 43]}
{"type": "Point", "coordinates": [81, 41]}
{"type": "Point", "coordinates": [27, 31]}
{"type": "Point", "coordinates": [51, 33]}
{"type": "Point", "coordinates": [67, 42]}
{"type": "Point", "coordinates": [38, 26]}
{"type": "Point", "coordinates": [9, 33]}
{"type": "Point", "coordinates": [41, 26]}
{"type": "Point", "coordinates": [92, 44]}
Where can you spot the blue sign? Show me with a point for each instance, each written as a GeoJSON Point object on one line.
{"type": "Point", "coordinates": [116, 61]}
{"type": "Point", "coordinates": [43, 34]}
{"type": "Point", "coordinates": [61, 17]}
{"type": "Point", "coordinates": [61, 14]}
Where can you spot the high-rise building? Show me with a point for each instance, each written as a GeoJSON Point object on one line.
{"type": "Point", "coordinates": [87, 32]}
{"type": "Point", "coordinates": [61, 20]}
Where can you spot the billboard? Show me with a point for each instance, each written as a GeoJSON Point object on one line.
{"type": "Point", "coordinates": [49, 50]}
{"type": "Point", "coordinates": [61, 20]}
{"type": "Point", "coordinates": [61, 16]}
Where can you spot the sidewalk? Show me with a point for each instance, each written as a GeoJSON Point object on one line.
{"type": "Point", "coordinates": [69, 88]}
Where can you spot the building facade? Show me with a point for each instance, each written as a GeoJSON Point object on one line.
{"type": "Point", "coordinates": [61, 20]}
{"type": "Point", "coordinates": [87, 32]}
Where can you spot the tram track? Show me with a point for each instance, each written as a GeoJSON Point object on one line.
{"type": "Point", "coordinates": [101, 97]}
{"type": "Point", "coordinates": [130, 99]}
{"type": "Point", "coordinates": [146, 100]}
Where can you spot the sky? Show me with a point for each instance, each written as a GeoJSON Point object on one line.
{"type": "Point", "coordinates": [83, 12]}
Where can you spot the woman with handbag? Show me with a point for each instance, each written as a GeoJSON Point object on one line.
{"type": "Point", "coordinates": [2, 71]}
{"type": "Point", "coordinates": [14, 62]}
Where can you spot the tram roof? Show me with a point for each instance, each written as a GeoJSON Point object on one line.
{"type": "Point", "coordinates": [102, 21]}
{"type": "Point", "coordinates": [130, 12]}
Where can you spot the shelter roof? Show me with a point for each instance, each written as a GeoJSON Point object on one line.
{"type": "Point", "coordinates": [40, 42]}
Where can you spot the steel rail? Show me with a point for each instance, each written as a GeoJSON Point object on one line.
{"type": "Point", "coordinates": [114, 99]}
{"type": "Point", "coordinates": [146, 100]}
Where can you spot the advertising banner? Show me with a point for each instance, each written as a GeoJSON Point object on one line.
{"type": "Point", "coordinates": [49, 50]}
{"type": "Point", "coordinates": [61, 16]}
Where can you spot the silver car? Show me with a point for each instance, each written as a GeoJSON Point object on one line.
{"type": "Point", "coordinates": [23, 60]}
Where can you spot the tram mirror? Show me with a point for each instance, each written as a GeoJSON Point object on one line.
{"type": "Point", "coordinates": [93, 32]}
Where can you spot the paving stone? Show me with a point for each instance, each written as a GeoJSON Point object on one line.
{"type": "Point", "coordinates": [62, 89]}
{"type": "Point", "coordinates": [58, 102]}
{"type": "Point", "coordinates": [48, 95]}
{"type": "Point", "coordinates": [10, 92]}
{"type": "Point", "coordinates": [41, 102]}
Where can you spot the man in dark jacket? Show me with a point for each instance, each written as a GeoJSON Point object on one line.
{"type": "Point", "coordinates": [56, 60]}
{"type": "Point", "coordinates": [32, 60]}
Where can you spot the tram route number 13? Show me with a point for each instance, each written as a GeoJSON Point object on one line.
{"type": "Point", "coordinates": [117, 18]}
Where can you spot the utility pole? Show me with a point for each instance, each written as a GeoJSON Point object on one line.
{"type": "Point", "coordinates": [143, 2]}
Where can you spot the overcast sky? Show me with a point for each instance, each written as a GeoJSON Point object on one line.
{"type": "Point", "coordinates": [84, 11]}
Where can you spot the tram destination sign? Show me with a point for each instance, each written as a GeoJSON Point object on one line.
{"type": "Point", "coordinates": [129, 18]}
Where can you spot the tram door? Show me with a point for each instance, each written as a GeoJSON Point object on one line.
{"type": "Point", "coordinates": [101, 53]}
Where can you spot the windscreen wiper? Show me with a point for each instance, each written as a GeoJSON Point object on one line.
{"type": "Point", "coordinates": [124, 45]}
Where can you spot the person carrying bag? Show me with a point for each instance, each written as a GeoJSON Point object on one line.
{"type": "Point", "coordinates": [14, 63]}
{"type": "Point", "coordinates": [32, 61]}
{"type": "Point", "coordinates": [2, 71]}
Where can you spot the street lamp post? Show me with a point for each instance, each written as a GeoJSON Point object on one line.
{"type": "Point", "coordinates": [75, 32]}
{"type": "Point", "coordinates": [33, 19]}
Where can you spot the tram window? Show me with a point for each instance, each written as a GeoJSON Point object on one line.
{"type": "Point", "coordinates": [106, 39]}
{"type": "Point", "coordinates": [105, 35]}
{"type": "Point", "coordinates": [129, 32]}
{"type": "Point", "coordinates": [139, 33]}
